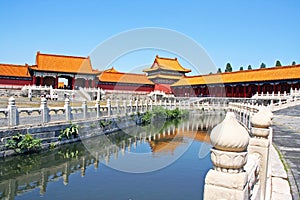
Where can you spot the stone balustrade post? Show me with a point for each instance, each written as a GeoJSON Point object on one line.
{"type": "Point", "coordinates": [130, 105]}
{"type": "Point", "coordinates": [118, 107]}
{"type": "Point", "coordinates": [260, 144]}
{"type": "Point", "coordinates": [151, 104]}
{"type": "Point", "coordinates": [141, 104]}
{"type": "Point", "coordinates": [108, 105]}
{"type": "Point", "coordinates": [98, 94]}
{"type": "Point", "coordinates": [13, 114]}
{"type": "Point", "coordinates": [44, 110]}
{"type": "Point", "coordinates": [125, 106]}
{"type": "Point", "coordinates": [84, 109]}
{"type": "Point", "coordinates": [67, 107]}
{"type": "Point", "coordinates": [174, 104]}
{"type": "Point", "coordinates": [165, 103]}
{"type": "Point", "coordinates": [227, 179]}
{"type": "Point", "coordinates": [136, 104]}
{"type": "Point", "coordinates": [98, 113]}
{"type": "Point", "coordinates": [146, 105]}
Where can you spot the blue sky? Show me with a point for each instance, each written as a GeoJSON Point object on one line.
{"type": "Point", "coordinates": [235, 31]}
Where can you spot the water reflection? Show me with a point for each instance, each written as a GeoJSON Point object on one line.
{"type": "Point", "coordinates": [22, 174]}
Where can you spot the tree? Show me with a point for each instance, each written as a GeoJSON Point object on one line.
{"type": "Point", "coordinates": [228, 68]}
{"type": "Point", "coordinates": [219, 71]}
{"type": "Point", "coordinates": [241, 68]}
{"type": "Point", "coordinates": [210, 73]}
{"type": "Point", "coordinates": [278, 64]}
{"type": "Point", "coordinates": [249, 67]}
{"type": "Point", "coordinates": [263, 65]}
{"type": "Point", "coordinates": [293, 63]}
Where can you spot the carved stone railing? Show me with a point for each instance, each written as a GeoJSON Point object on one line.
{"type": "Point", "coordinates": [241, 163]}
{"type": "Point", "coordinates": [14, 116]}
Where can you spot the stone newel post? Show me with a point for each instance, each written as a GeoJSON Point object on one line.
{"type": "Point", "coordinates": [44, 110]}
{"type": "Point", "coordinates": [98, 113]}
{"type": "Point", "coordinates": [13, 114]}
{"type": "Point", "coordinates": [259, 143]}
{"type": "Point", "coordinates": [108, 104]}
{"type": "Point", "coordinates": [67, 109]}
{"type": "Point", "coordinates": [84, 109]}
{"type": "Point", "coordinates": [227, 179]}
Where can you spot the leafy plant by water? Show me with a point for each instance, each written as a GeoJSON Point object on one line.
{"type": "Point", "coordinates": [23, 143]}
{"type": "Point", "coordinates": [69, 132]}
{"type": "Point", "coordinates": [104, 123]}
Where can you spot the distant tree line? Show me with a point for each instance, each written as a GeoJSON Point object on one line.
{"type": "Point", "coordinates": [228, 67]}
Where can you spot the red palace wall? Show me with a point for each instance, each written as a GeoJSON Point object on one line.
{"type": "Point", "coordinates": [142, 88]}
{"type": "Point", "coordinates": [17, 81]}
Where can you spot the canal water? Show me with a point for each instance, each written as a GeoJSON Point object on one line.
{"type": "Point", "coordinates": [168, 161]}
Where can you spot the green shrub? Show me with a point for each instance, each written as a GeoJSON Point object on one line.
{"type": "Point", "coordinates": [69, 132]}
{"type": "Point", "coordinates": [23, 143]}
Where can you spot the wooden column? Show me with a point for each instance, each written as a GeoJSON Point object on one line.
{"type": "Point", "coordinates": [245, 91]}
{"type": "Point", "coordinates": [42, 80]}
{"type": "Point", "coordinates": [34, 80]}
{"type": "Point", "coordinates": [73, 83]}
{"type": "Point", "coordinates": [56, 82]}
{"type": "Point", "coordinates": [86, 83]}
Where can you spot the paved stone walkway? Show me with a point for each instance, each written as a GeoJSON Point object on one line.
{"type": "Point", "coordinates": [286, 136]}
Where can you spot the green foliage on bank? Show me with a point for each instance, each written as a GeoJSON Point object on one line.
{"type": "Point", "coordinates": [159, 112]}
{"type": "Point", "coordinates": [23, 143]}
{"type": "Point", "coordinates": [71, 131]}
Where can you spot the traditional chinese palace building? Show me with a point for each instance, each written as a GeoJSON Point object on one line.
{"type": "Point", "coordinates": [240, 83]}
{"type": "Point", "coordinates": [76, 70]}
{"type": "Point", "coordinates": [165, 74]}
{"type": "Point", "coordinates": [111, 79]}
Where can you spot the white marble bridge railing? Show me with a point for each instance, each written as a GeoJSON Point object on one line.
{"type": "Point", "coordinates": [240, 155]}
{"type": "Point", "coordinates": [14, 116]}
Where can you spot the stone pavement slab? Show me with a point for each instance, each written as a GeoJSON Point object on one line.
{"type": "Point", "coordinates": [286, 136]}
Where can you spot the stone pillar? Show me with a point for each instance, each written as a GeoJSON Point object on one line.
{"type": "Point", "coordinates": [44, 110]}
{"type": "Point", "coordinates": [151, 105]}
{"type": "Point", "coordinates": [136, 106]}
{"type": "Point", "coordinates": [117, 105]}
{"type": "Point", "coordinates": [13, 114]}
{"type": "Point", "coordinates": [146, 105]}
{"type": "Point", "coordinates": [98, 94]}
{"type": "Point", "coordinates": [108, 105]}
{"type": "Point", "coordinates": [259, 143]}
{"type": "Point", "coordinates": [98, 113]}
{"type": "Point", "coordinates": [67, 109]}
{"type": "Point", "coordinates": [84, 109]}
{"type": "Point", "coordinates": [125, 106]}
{"type": "Point", "coordinates": [227, 179]}
{"type": "Point", "coordinates": [130, 105]}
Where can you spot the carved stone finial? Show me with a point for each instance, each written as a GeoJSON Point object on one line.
{"type": "Point", "coordinates": [11, 100]}
{"type": "Point", "coordinates": [262, 119]}
{"type": "Point", "coordinates": [230, 135]}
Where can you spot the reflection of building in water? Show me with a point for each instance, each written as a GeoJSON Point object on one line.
{"type": "Point", "coordinates": [21, 174]}
{"type": "Point", "coordinates": [173, 137]}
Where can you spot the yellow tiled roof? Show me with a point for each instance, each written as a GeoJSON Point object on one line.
{"type": "Point", "coordinates": [164, 76]}
{"type": "Point", "coordinates": [115, 77]}
{"type": "Point", "coordinates": [267, 74]}
{"type": "Point", "coordinates": [167, 64]}
{"type": "Point", "coordinates": [61, 63]}
{"type": "Point", "coordinates": [14, 70]}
